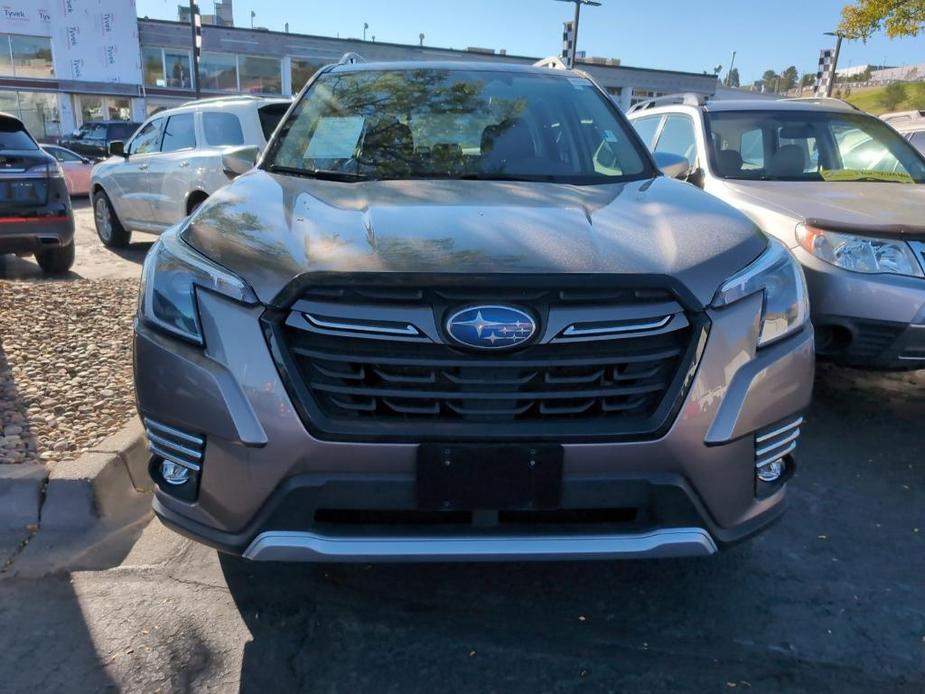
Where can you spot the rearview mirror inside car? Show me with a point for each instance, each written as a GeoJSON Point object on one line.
{"type": "Point", "coordinates": [672, 165]}
{"type": "Point", "coordinates": [239, 160]}
{"type": "Point", "coordinates": [117, 148]}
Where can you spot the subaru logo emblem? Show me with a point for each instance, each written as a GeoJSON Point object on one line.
{"type": "Point", "coordinates": [491, 327]}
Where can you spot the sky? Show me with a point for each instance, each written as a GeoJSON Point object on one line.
{"type": "Point", "coordinates": [666, 34]}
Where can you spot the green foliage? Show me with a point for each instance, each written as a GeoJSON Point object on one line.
{"type": "Point", "coordinates": [732, 79]}
{"type": "Point", "coordinates": [893, 95]}
{"type": "Point", "coordinates": [871, 100]}
{"type": "Point", "coordinates": [864, 18]}
{"type": "Point", "coordinates": [788, 79]}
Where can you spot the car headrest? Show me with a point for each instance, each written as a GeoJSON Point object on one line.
{"type": "Point", "coordinates": [386, 139]}
{"type": "Point", "coordinates": [728, 161]}
{"type": "Point", "coordinates": [789, 160]}
{"type": "Point", "coordinates": [507, 140]}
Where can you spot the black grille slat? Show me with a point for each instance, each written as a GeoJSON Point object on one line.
{"type": "Point", "coordinates": [430, 389]}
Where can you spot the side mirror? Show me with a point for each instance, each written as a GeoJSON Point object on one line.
{"type": "Point", "coordinates": [672, 165]}
{"type": "Point", "coordinates": [239, 160]}
{"type": "Point", "coordinates": [117, 148]}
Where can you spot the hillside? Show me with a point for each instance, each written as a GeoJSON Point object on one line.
{"type": "Point", "coordinates": [870, 99]}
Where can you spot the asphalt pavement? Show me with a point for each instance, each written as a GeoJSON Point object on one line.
{"type": "Point", "coordinates": [830, 599]}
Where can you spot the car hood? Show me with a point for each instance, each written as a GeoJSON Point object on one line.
{"type": "Point", "coordinates": [270, 229]}
{"type": "Point", "coordinates": [875, 207]}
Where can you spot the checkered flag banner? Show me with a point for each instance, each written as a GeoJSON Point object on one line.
{"type": "Point", "coordinates": [825, 75]}
{"type": "Point", "coordinates": [568, 43]}
{"type": "Point", "coordinates": [196, 23]}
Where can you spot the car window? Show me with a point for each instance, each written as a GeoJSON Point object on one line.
{"type": "Point", "coordinates": [12, 136]}
{"type": "Point", "coordinates": [433, 123]}
{"type": "Point", "coordinates": [97, 132]}
{"type": "Point", "coordinates": [148, 138]}
{"type": "Point", "coordinates": [62, 154]}
{"type": "Point", "coordinates": [677, 137]}
{"type": "Point", "coordinates": [810, 145]}
{"type": "Point", "coordinates": [222, 129]}
{"type": "Point", "coordinates": [179, 133]}
{"type": "Point", "coordinates": [646, 128]}
{"type": "Point", "coordinates": [918, 141]}
{"type": "Point", "coordinates": [270, 116]}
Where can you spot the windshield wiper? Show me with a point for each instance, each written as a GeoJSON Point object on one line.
{"type": "Point", "coordinates": [320, 174]}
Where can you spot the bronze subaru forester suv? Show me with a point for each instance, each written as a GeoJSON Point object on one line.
{"type": "Point", "coordinates": [456, 312]}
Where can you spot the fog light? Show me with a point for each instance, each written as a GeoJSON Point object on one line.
{"type": "Point", "coordinates": [175, 474]}
{"type": "Point", "coordinates": [771, 472]}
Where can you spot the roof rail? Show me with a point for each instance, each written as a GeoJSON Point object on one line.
{"type": "Point", "coordinates": [350, 58]}
{"type": "Point", "coordinates": [227, 97]}
{"type": "Point", "coordinates": [831, 100]}
{"type": "Point", "coordinates": [688, 99]}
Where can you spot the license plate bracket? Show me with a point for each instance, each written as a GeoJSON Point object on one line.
{"type": "Point", "coordinates": [489, 477]}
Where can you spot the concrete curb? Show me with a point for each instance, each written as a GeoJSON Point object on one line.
{"type": "Point", "coordinates": [100, 484]}
{"type": "Point", "coordinates": [21, 494]}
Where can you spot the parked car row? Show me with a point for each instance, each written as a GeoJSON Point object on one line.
{"type": "Point", "coordinates": [840, 188]}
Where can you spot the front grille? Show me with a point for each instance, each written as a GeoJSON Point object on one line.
{"type": "Point", "coordinates": [778, 441]}
{"type": "Point", "coordinates": [873, 338]}
{"type": "Point", "coordinates": [376, 363]}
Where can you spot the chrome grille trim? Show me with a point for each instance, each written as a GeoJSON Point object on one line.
{"type": "Point", "coordinates": [777, 432]}
{"type": "Point", "coordinates": [574, 331]}
{"type": "Point", "coordinates": [361, 327]}
{"type": "Point", "coordinates": [775, 444]}
{"type": "Point", "coordinates": [175, 445]}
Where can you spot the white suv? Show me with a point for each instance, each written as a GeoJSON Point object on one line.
{"type": "Point", "coordinates": [174, 161]}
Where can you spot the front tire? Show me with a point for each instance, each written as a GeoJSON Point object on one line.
{"type": "Point", "coordinates": [108, 227]}
{"type": "Point", "coordinates": [56, 261]}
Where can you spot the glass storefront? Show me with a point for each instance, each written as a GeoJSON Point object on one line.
{"type": "Point", "coordinates": [219, 72]}
{"type": "Point", "coordinates": [37, 110]}
{"type": "Point", "coordinates": [302, 71]}
{"type": "Point", "coordinates": [103, 108]}
{"type": "Point", "coordinates": [260, 75]}
{"type": "Point", "coordinates": [26, 56]}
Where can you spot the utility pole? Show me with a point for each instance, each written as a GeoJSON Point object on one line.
{"type": "Point", "coordinates": [365, 27]}
{"type": "Point", "coordinates": [195, 20]}
{"type": "Point", "coordinates": [731, 65]}
{"type": "Point", "coordinates": [578, 4]}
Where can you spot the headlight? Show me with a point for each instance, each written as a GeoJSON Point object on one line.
{"type": "Point", "coordinates": [859, 253]}
{"type": "Point", "coordinates": [777, 275]}
{"type": "Point", "coordinates": [171, 273]}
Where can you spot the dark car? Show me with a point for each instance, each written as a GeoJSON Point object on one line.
{"type": "Point", "coordinates": [92, 139]}
{"type": "Point", "coordinates": [35, 208]}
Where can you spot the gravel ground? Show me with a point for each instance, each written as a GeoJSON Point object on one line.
{"type": "Point", "coordinates": [65, 366]}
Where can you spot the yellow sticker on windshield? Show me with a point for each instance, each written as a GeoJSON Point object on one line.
{"type": "Point", "coordinates": [865, 175]}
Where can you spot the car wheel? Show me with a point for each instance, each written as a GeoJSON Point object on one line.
{"type": "Point", "coordinates": [108, 227]}
{"type": "Point", "coordinates": [56, 261]}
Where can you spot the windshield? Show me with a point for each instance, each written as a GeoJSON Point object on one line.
{"type": "Point", "coordinates": [433, 123]}
{"type": "Point", "coordinates": [810, 146]}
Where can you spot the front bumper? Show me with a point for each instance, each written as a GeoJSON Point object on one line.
{"type": "Point", "coordinates": [871, 321]}
{"type": "Point", "coordinates": [264, 476]}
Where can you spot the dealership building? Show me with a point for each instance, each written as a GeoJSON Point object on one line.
{"type": "Point", "coordinates": [65, 62]}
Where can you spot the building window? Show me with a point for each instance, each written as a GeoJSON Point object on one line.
{"type": "Point", "coordinates": [260, 75]}
{"type": "Point", "coordinates": [93, 108]}
{"type": "Point", "coordinates": [26, 56]}
{"type": "Point", "coordinates": [219, 72]}
{"type": "Point", "coordinates": [167, 68]}
{"type": "Point", "coordinates": [640, 95]}
{"type": "Point", "coordinates": [302, 71]}
{"type": "Point", "coordinates": [37, 110]}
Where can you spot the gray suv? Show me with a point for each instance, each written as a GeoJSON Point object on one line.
{"type": "Point", "coordinates": [456, 312]}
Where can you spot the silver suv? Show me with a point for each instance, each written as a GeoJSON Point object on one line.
{"type": "Point", "coordinates": [174, 162]}
{"type": "Point", "coordinates": [840, 188]}
{"type": "Point", "coordinates": [456, 312]}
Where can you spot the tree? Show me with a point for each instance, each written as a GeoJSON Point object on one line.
{"type": "Point", "coordinates": [864, 18]}
{"type": "Point", "coordinates": [769, 80]}
{"type": "Point", "coordinates": [732, 79]}
{"type": "Point", "coordinates": [893, 95]}
{"type": "Point", "coordinates": [788, 78]}
{"type": "Point", "coordinates": [808, 80]}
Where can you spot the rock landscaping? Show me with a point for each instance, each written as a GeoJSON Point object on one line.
{"type": "Point", "coordinates": [65, 366]}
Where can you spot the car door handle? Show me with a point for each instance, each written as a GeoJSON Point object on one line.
{"type": "Point", "coordinates": [142, 167]}
{"type": "Point", "coordinates": [183, 164]}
